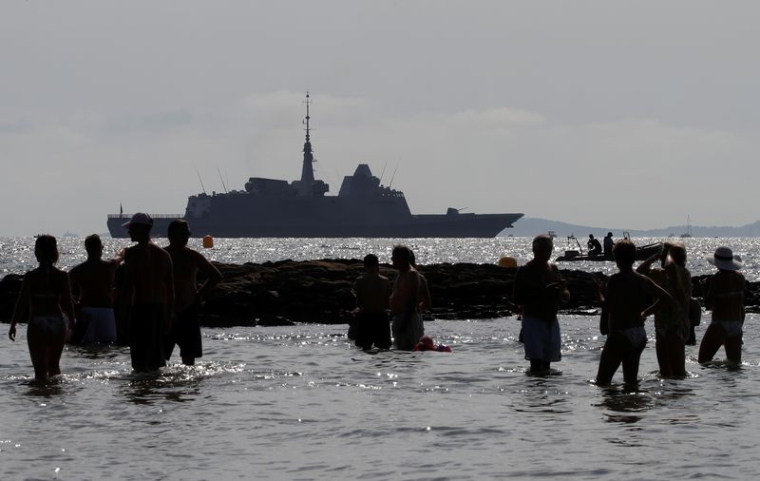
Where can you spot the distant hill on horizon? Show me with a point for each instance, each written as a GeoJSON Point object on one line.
{"type": "Point", "coordinates": [530, 226]}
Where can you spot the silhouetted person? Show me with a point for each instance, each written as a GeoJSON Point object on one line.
{"type": "Point", "coordinates": [372, 293]}
{"type": "Point", "coordinates": [186, 329]}
{"type": "Point", "coordinates": [148, 293]}
{"type": "Point", "coordinates": [725, 298]}
{"type": "Point", "coordinates": [539, 289]}
{"type": "Point", "coordinates": [594, 247]}
{"type": "Point", "coordinates": [608, 245]}
{"type": "Point", "coordinates": [425, 299]}
{"type": "Point", "coordinates": [46, 296]}
{"type": "Point", "coordinates": [93, 281]}
{"type": "Point", "coordinates": [671, 321]}
{"type": "Point", "coordinates": [407, 325]}
{"type": "Point", "coordinates": [627, 303]}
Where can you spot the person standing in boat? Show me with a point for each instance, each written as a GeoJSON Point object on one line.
{"type": "Point", "coordinates": [671, 322]}
{"type": "Point", "coordinates": [539, 289]}
{"type": "Point", "coordinates": [407, 325]}
{"type": "Point", "coordinates": [594, 247]}
{"type": "Point", "coordinates": [609, 243]}
{"type": "Point", "coordinates": [725, 298]}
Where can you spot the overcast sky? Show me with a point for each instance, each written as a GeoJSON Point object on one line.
{"type": "Point", "coordinates": [622, 114]}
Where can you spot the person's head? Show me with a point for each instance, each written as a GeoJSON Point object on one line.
{"type": "Point", "coordinates": [625, 253]}
{"type": "Point", "coordinates": [139, 227]}
{"type": "Point", "coordinates": [677, 254]}
{"type": "Point", "coordinates": [401, 257]}
{"type": "Point", "coordinates": [46, 250]}
{"type": "Point", "coordinates": [543, 246]}
{"type": "Point", "coordinates": [94, 246]}
{"type": "Point", "coordinates": [609, 234]}
{"type": "Point", "coordinates": [371, 263]}
{"type": "Point", "coordinates": [591, 236]}
{"type": "Point", "coordinates": [178, 232]}
{"type": "Point", "coordinates": [725, 259]}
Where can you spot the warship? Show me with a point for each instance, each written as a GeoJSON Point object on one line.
{"type": "Point", "coordinates": [278, 208]}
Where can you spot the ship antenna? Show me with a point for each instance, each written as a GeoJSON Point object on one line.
{"type": "Point", "coordinates": [200, 180]}
{"type": "Point", "coordinates": [383, 172]}
{"type": "Point", "coordinates": [393, 176]}
{"type": "Point", "coordinates": [222, 179]}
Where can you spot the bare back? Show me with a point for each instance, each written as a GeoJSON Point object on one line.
{"type": "Point", "coordinates": [148, 275]}
{"type": "Point", "coordinates": [726, 296]}
{"type": "Point", "coordinates": [406, 292]}
{"type": "Point", "coordinates": [186, 264]}
{"type": "Point", "coordinates": [95, 281]}
{"type": "Point", "coordinates": [372, 292]}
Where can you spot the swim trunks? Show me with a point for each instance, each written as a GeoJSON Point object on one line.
{"type": "Point", "coordinates": [185, 333]}
{"type": "Point", "coordinates": [628, 340]}
{"type": "Point", "coordinates": [541, 339]}
{"type": "Point", "coordinates": [408, 329]}
{"type": "Point", "coordinates": [373, 328]}
{"type": "Point", "coordinates": [731, 328]}
{"type": "Point", "coordinates": [147, 323]}
{"type": "Point", "coordinates": [101, 325]}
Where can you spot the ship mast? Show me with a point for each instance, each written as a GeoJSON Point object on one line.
{"type": "Point", "coordinates": [307, 172]}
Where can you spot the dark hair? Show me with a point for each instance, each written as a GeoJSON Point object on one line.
{"type": "Point", "coordinates": [178, 226]}
{"type": "Point", "coordinates": [543, 242]}
{"type": "Point", "coordinates": [46, 249]}
{"type": "Point", "coordinates": [92, 243]}
{"type": "Point", "coordinates": [677, 253]}
{"type": "Point", "coordinates": [403, 253]}
{"type": "Point", "coordinates": [371, 260]}
{"type": "Point", "coordinates": [624, 251]}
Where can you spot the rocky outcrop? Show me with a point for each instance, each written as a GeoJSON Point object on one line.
{"type": "Point", "coordinates": [279, 293]}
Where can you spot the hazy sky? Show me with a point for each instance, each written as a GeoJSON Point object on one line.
{"type": "Point", "coordinates": [621, 114]}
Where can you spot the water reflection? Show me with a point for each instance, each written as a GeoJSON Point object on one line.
{"type": "Point", "coordinates": [626, 404]}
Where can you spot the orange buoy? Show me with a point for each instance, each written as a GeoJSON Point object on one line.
{"type": "Point", "coordinates": [508, 261]}
{"type": "Point", "coordinates": [208, 242]}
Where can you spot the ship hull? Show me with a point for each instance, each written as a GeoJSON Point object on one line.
{"type": "Point", "coordinates": [419, 226]}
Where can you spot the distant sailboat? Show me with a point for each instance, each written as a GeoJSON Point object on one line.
{"type": "Point", "coordinates": [687, 234]}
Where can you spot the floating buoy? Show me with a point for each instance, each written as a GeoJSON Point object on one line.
{"type": "Point", "coordinates": [508, 261]}
{"type": "Point", "coordinates": [208, 242]}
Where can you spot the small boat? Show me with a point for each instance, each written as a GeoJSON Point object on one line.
{"type": "Point", "coordinates": [687, 234]}
{"type": "Point", "coordinates": [642, 253]}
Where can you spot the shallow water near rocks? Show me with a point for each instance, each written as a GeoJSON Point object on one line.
{"type": "Point", "coordinates": [303, 403]}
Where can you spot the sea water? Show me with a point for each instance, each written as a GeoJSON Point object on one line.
{"type": "Point", "coordinates": [301, 402]}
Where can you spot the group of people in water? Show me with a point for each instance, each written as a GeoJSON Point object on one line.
{"type": "Point", "coordinates": [661, 285]}
{"type": "Point", "coordinates": [157, 299]}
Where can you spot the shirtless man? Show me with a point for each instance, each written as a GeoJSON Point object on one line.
{"type": "Point", "coordinates": [186, 330]}
{"type": "Point", "coordinates": [372, 293]}
{"type": "Point", "coordinates": [725, 298]}
{"type": "Point", "coordinates": [148, 294]}
{"type": "Point", "coordinates": [627, 303]}
{"type": "Point", "coordinates": [539, 288]}
{"type": "Point", "coordinates": [94, 281]}
{"type": "Point", "coordinates": [407, 324]}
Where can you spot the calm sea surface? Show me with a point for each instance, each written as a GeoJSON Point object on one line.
{"type": "Point", "coordinates": [302, 403]}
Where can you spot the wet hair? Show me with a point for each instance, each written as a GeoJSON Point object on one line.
{"type": "Point", "coordinates": [624, 251]}
{"type": "Point", "coordinates": [677, 253]}
{"type": "Point", "coordinates": [403, 253]}
{"type": "Point", "coordinates": [178, 226]}
{"type": "Point", "coordinates": [92, 243]}
{"type": "Point", "coordinates": [371, 260]}
{"type": "Point", "coordinates": [542, 242]}
{"type": "Point", "coordinates": [46, 249]}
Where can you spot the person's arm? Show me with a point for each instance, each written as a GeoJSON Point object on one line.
{"type": "Point", "coordinates": [67, 304]}
{"type": "Point", "coordinates": [127, 287]}
{"type": "Point", "coordinates": [169, 289]}
{"type": "Point", "coordinates": [658, 293]}
{"type": "Point", "coordinates": [425, 302]}
{"type": "Point", "coordinates": [22, 304]}
{"type": "Point", "coordinates": [214, 277]}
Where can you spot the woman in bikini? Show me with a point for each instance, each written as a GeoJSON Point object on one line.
{"type": "Point", "coordinates": [46, 296]}
{"type": "Point", "coordinates": [725, 298]}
